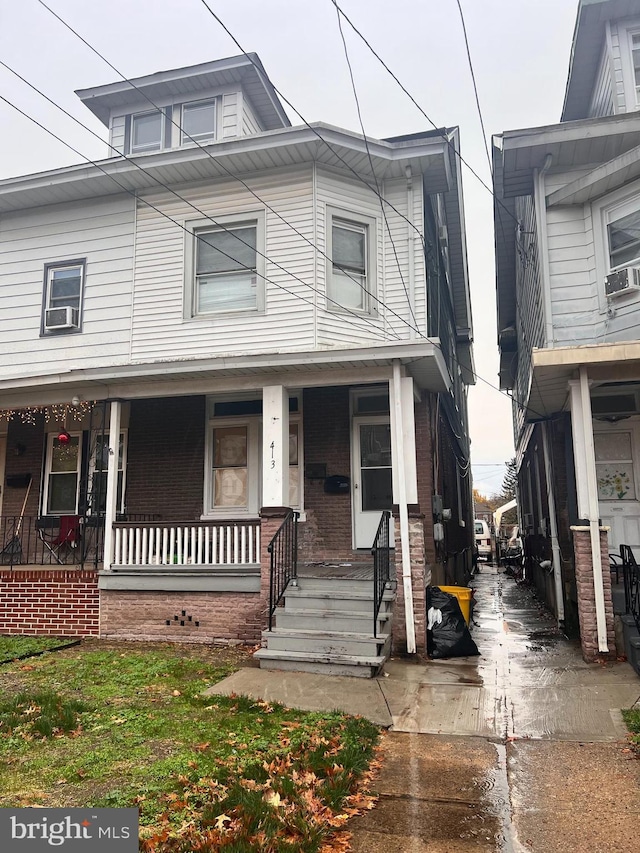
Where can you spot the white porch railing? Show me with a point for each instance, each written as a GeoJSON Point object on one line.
{"type": "Point", "coordinates": [234, 544]}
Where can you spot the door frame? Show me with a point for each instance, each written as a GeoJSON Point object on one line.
{"type": "Point", "coordinates": [356, 485]}
{"type": "Point", "coordinates": [632, 426]}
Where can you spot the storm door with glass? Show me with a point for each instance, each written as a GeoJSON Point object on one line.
{"type": "Point", "coordinates": [372, 480]}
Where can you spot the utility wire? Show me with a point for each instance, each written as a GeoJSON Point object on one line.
{"type": "Point", "coordinates": [194, 207]}
{"type": "Point", "coordinates": [366, 143]}
{"type": "Point", "coordinates": [475, 86]}
{"type": "Point", "coordinates": [135, 195]}
{"type": "Point", "coordinates": [417, 105]}
{"type": "Point", "coordinates": [314, 130]}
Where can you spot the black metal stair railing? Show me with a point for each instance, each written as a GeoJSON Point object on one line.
{"type": "Point", "coordinates": [631, 576]}
{"type": "Point", "coordinates": [283, 553]}
{"type": "Point", "coordinates": [381, 566]}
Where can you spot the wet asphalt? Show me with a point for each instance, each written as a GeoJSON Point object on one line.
{"type": "Point", "coordinates": [520, 749]}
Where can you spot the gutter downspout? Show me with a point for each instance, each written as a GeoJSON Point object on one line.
{"type": "Point", "coordinates": [410, 254]}
{"type": "Point", "coordinates": [553, 526]}
{"type": "Point", "coordinates": [540, 201]}
{"type": "Point", "coordinates": [403, 512]}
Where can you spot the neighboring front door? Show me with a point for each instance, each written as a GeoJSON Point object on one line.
{"type": "Point", "coordinates": [616, 450]}
{"type": "Point", "coordinates": [372, 487]}
{"type": "Point", "coordinates": [3, 453]}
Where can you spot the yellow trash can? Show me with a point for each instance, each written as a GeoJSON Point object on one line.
{"type": "Point", "coordinates": [463, 594]}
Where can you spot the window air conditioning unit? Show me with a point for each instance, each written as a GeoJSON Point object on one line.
{"type": "Point", "coordinates": [61, 318]}
{"type": "Point", "coordinates": [622, 281]}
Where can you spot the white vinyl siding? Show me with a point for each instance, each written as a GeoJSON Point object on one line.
{"type": "Point", "coordinates": [101, 232]}
{"type": "Point", "coordinates": [578, 264]}
{"type": "Point", "coordinates": [116, 135]}
{"type": "Point", "coordinates": [335, 191]}
{"type": "Point", "coordinates": [230, 116]}
{"type": "Point", "coordinates": [625, 92]}
{"type": "Point", "coordinates": [602, 96]}
{"type": "Point", "coordinates": [250, 122]}
{"type": "Point", "coordinates": [158, 304]}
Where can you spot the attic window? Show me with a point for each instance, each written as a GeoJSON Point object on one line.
{"type": "Point", "coordinates": [199, 122]}
{"type": "Point", "coordinates": [146, 132]}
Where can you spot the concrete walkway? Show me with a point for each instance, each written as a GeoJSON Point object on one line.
{"type": "Point", "coordinates": [516, 750]}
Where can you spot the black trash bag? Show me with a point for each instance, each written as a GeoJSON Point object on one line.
{"type": "Point", "coordinates": [449, 638]}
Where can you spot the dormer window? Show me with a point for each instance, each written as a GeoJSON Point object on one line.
{"type": "Point", "coordinates": [146, 132]}
{"type": "Point", "coordinates": [199, 122]}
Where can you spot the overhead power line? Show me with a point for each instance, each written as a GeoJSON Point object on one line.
{"type": "Point", "coordinates": [314, 130]}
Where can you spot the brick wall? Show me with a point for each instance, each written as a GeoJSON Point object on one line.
{"type": "Point", "coordinates": [586, 594]}
{"type": "Point", "coordinates": [165, 457]}
{"type": "Point", "coordinates": [31, 438]}
{"type": "Point", "coordinates": [49, 602]}
{"type": "Point", "coordinates": [418, 583]}
{"type": "Point", "coordinates": [203, 617]}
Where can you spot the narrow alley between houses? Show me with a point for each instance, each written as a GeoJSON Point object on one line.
{"type": "Point", "coordinates": [510, 751]}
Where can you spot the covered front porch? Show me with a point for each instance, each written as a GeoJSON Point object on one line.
{"type": "Point", "coordinates": [173, 491]}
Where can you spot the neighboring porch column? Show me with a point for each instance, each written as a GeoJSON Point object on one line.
{"type": "Point", "coordinates": [405, 492]}
{"type": "Point", "coordinates": [553, 527]}
{"type": "Point", "coordinates": [588, 558]}
{"type": "Point", "coordinates": [112, 481]}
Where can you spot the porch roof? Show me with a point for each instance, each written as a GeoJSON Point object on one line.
{"type": "Point", "coordinates": [422, 360]}
{"type": "Point", "coordinates": [553, 368]}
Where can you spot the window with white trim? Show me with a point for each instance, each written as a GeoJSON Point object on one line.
{"type": "Point", "coordinates": [62, 475]}
{"type": "Point", "coordinates": [351, 279]}
{"type": "Point", "coordinates": [233, 478]}
{"type": "Point", "coordinates": [147, 130]}
{"type": "Point", "coordinates": [63, 291]}
{"type": "Point", "coordinates": [227, 267]}
{"type": "Point", "coordinates": [198, 122]}
{"type": "Point", "coordinates": [622, 224]}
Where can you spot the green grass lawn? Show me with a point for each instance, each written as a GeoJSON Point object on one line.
{"type": "Point", "coordinates": [16, 647]}
{"type": "Point", "coordinates": [126, 725]}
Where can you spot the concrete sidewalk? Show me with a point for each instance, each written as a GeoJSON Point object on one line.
{"type": "Point", "coordinates": [520, 749]}
{"type": "Point", "coordinates": [529, 682]}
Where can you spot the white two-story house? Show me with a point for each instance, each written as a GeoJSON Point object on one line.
{"type": "Point", "coordinates": [226, 325]}
{"type": "Point", "coordinates": [567, 220]}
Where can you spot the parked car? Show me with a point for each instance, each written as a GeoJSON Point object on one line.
{"type": "Point", "coordinates": [483, 539]}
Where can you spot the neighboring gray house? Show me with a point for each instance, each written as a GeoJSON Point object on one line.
{"type": "Point", "coordinates": [242, 328]}
{"type": "Point", "coordinates": [567, 221]}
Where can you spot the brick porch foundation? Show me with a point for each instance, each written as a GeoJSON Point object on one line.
{"type": "Point", "coordinates": [586, 594]}
{"type": "Point", "coordinates": [418, 580]}
{"type": "Point", "coordinates": [49, 602]}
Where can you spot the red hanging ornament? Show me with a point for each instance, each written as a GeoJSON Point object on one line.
{"type": "Point", "coordinates": [64, 437]}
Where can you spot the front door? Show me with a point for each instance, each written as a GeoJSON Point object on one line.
{"type": "Point", "coordinates": [616, 451]}
{"type": "Point", "coordinates": [372, 486]}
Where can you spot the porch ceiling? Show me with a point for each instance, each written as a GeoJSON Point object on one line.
{"type": "Point", "coordinates": [553, 368]}
{"type": "Point", "coordinates": [422, 360]}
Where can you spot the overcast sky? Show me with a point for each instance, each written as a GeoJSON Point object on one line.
{"type": "Point", "coordinates": [520, 51]}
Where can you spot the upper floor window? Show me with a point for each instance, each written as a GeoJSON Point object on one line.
{"type": "Point", "coordinates": [635, 63]}
{"type": "Point", "coordinates": [351, 271]}
{"type": "Point", "coordinates": [146, 132]}
{"type": "Point", "coordinates": [198, 121]}
{"type": "Point", "coordinates": [227, 267]}
{"type": "Point", "coordinates": [63, 287]}
{"type": "Point", "coordinates": [623, 234]}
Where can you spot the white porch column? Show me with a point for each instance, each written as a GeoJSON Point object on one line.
{"type": "Point", "coordinates": [553, 525]}
{"type": "Point", "coordinates": [587, 489]}
{"type": "Point", "coordinates": [401, 409]}
{"type": "Point", "coordinates": [275, 446]}
{"type": "Point", "coordinates": [112, 481]}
